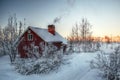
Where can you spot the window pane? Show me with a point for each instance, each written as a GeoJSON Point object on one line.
{"type": "Point", "coordinates": [30, 37]}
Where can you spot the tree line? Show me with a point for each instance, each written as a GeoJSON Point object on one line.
{"type": "Point", "coordinates": [81, 37]}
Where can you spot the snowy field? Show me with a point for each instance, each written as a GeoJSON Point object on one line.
{"type": "Point", "coordinates": [77, 69]}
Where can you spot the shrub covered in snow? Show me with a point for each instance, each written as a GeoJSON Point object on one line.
{"type": "Point", "coordinates": [108, 64]}
{"type": "Point", "coordinates": [49, 61]}
{"type": "Point", "coordinates": [33, 66]}
{"type": "Point", "coordinates": [84, 47]}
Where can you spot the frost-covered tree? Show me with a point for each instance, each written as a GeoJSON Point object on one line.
{"type": "Point", "coordinates": [1, 32]}
{"type": "Point", "coordinates": [108, 64]}
{"type": "Point", "coordinates": [1, 42]}
{"type": "Point", "coordinates": [73, 38]}
{"type": "Point", "coordinates": [85, 32]}
{"type": "Point", "coordinates": [80, 37]}
{"type": "Point", "coordinates": [9, 35]}
{"type": "Point", "coordinates": [20, 28]}
{"type": "Point", "coordinates": [1, 36]}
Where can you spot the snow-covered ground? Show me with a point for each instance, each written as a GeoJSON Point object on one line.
{"type": "Point", "coordinates": [77, 69]}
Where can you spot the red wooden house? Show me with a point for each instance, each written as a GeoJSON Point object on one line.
{"type": "Point", "coordinates": [39, 35]}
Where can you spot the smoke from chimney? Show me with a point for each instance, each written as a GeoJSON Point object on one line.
{"type": "Point", "coordinates": [65, 12]}
{"type": "Point", "coordinates": [57, 19]}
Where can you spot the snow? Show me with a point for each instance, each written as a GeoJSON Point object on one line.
{"type": "Point", "coordinates": [76, 68]}
{"type": "Point", "coordinates": [108, 48]}
{"type": "Point", "coordinates": [48, 37]}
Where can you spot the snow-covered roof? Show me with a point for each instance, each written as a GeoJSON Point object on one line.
{"type": "Point", "coordinates": [48, 37]}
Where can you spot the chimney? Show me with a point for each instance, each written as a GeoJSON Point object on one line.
{"type": "Point", "coordinates": [51, 29]}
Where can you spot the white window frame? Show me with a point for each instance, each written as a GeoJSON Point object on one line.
{"type": "Point", "coordinates": [30, 37]}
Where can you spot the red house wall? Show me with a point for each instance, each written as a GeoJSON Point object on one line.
{"type": "Point", "coordinates": [36, 39]}
{"type": "Point", "coordinates": [25, 42]}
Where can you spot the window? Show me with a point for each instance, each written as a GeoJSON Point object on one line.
{"type": "Point", "coordinates": [30, 37]}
